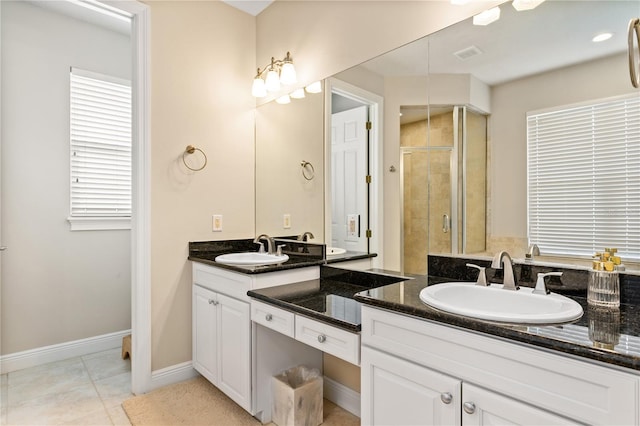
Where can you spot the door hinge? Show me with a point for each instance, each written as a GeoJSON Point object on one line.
{"type": "Point", "coordinates": [368, 178]}
{"type": "Point", "coordinates": [369, 126]}
{"type": "Point", "coordinates": [368, 233]}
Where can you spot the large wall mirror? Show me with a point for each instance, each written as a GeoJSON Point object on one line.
{"type": "Point", "coordinates": [464, 93]}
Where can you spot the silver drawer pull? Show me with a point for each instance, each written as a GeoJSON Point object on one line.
{"type": "Point", "coordinates": [469, 407]}
{"type": "Point", "coordinates": [322, 338]}
{"type": "Point", "coordinates": [213, 302]}
{"type": "Point", "coordinates": [446, 397]}
{"type": "Point", "coordinates": [268, 317]}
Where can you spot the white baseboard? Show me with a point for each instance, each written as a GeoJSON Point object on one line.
{"type": "Point", "coordinates": [341, 395]}
{"type": "Point", "coordinates": [61, 351]}
{"type": "Point", "coordinates": [173, 374]}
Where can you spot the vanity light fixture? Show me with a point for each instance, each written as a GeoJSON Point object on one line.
{"type": "Point", "coordinates": [601, 37]}
{"type": "Point", "coordinates": [278, 72]}
{"type": "Point", "coordinates": [285, 99]}
{"type": "Point", "coordinates": [315, 87]}
{"type": "Point", "coordinates": [521, 5]}
{"type": "Point", "coordinates": [460, 2]}
{"type": "Point", "coordinates": [487, 17]}
{"type": "Point", "coordinates": [297, 94]}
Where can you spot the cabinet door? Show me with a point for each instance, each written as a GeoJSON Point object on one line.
{"type": "Point", "coordinates": [234, 350]}
{"type": "Point", "coordinates": [205, 325]}
{"type": "Point", "coordinates": [398, 392]}
{"type": "Point", "coordinates": [483, 407]}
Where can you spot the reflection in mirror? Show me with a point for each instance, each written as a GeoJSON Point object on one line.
{"type": "Point", "coordinates": [290, 167]}
{"type": "Point", "coordinates": [443, 177]}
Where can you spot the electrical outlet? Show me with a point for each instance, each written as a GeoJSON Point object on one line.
{"type": "Point", "coordinates": [217, 223]}
{"type": "Point", "coordinates": [286, 221]}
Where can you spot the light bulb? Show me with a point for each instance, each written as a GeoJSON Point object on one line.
{"type": "Point", "coordinates": [297, 94]}
{"type": "Point", "coordinates": [315, 87]}
{"type": "Point", "coordinates": [288, 74]}
{"type": "Point", "coordinates": [521, 5]}
{"type": "Point", "coordinates": [272, 82]}
{"type": "Point", "coordinates": [283, 99]}
{"type": "Point", "coordinates": [258, 89]}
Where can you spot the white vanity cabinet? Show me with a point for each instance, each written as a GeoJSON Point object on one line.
{"type": "Point", "coordinates": [419, 372]}
{"type": "Point", "coordinates": [223, 336]}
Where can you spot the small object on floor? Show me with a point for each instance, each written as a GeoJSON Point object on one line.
{"type": "Point", "coordinates": [126, 347]}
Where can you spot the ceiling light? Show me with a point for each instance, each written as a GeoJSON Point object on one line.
{"type": "Point", "coordinates": [297, 94]}
{"type": "Point", "coordinates": [487, 17]}
{"type": "Point", "coordinates": [601, 37]}
{"type": "Point", "coordinates": [521, 5]}
{"type": "Point", "coordinates": [315, 87]}
{"type": "Point", "coordinates": [276, 73]}
{"type": "Point", "coordinates": [283, 99]}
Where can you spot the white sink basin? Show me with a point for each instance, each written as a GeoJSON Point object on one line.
{"type": "Point", "coordinates": [251, 259]}
{"type": "Point", "coordinates": [335, 250]}
{"type": "Point", "coordinates": [493, 303]}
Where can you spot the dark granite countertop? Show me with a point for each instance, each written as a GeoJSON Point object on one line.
{"type": "Point", "coordinates": [607, 335]}
{"type": "Point", "coordinates": [329, 299]}
{"type": "Point", "coordinates": [301, 254]}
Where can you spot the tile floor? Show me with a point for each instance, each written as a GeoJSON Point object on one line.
{"type": "Point", "coordinates": [87, 390]}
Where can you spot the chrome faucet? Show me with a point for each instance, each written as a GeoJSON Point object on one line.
{"type": "Point", "coordinates": [534, 250]}
{"type": "Point", "coordinates": [503, 261]}
{"type": "Point", "coordinates": [270, 243]}
{"type": "Point", "coordinates": [305, 237]}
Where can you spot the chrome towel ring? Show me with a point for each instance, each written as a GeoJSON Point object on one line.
{"type": "Point", "coordinates": [190, 149]}
{"type": "Point", "coordinates": [634, 27]}
{"type": "Point", "coordinates": [307, 170]}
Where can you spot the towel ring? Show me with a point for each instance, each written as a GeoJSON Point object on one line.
{"type": "Point", "coordinates": [634, 28]}
{"type": "Point", "coordinates": [190, 149]}
{"type": "Point", "coordinates": [307, 170]}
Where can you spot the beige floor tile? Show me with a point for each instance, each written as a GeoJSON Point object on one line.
{"type": "Point", "coordinates": [98, 418]}
{"type": "Point", "coordinates": [106, 364]}
{"type": "Point", "coordinates": [58, 408]}
{"type": "Point", "coordinates": [48, 379]}
{"type": "Point", "coordinates": [114, 390]}
{"type": "Point", "coordinates": [118, 416]}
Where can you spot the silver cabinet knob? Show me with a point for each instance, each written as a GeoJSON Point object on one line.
{"type": "Point", "coordinates": [446, 397]}
{"type": "Point", "coordinates": [268, 317]}
{"type": "Point", "coordinates": [322, 338]}
{"type": "Point", "coordinates": [469, 407]}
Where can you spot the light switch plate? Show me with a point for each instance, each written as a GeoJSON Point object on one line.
{"type": "Point", "coordinates": [217, 223]}
{"type": "Point", "coordinates": [286, 221]}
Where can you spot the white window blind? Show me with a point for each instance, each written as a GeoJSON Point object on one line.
{"type": "Point", "coordinates": [584, 178]}
{"type": "Point", "coordinates": [100, 146]}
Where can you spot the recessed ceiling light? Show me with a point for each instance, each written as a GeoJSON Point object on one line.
{"type": "Point", "coordinates": [487, 17]}
{"type": "Point", "coordinates": [521, 5]}
{"type": "Point", "coordinates": [601, 37]}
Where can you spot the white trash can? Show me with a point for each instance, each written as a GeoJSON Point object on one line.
{"type": "Point", "coordinates": [296, 397]}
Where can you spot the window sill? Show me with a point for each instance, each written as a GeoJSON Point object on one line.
{"type": "Point", "coordinates": [99, 223]}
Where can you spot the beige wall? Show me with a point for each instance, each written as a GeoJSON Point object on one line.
{"type": "Point", "coordinates": [202, 59]}
{"type": "Point", "coordinates": [57, 286]}
{"type": "Point", "coordinates": [507, 126]}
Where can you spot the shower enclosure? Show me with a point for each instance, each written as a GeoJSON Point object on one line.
{"type": "Point", "coordinates": [444, 181]}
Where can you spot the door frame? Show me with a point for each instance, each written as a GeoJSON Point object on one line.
{"type": "Point", "coordinates": [376, 206]}
{"type": "Point", "coordinates": [141, 374]}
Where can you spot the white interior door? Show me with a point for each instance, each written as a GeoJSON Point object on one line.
{"type": "Point", "coordinates": [349, 140]}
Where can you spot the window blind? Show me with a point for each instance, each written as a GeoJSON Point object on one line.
{"type": "Point", "coordinates": [100, 130]}
{"type": "Point", "coordinates": [584, 178]}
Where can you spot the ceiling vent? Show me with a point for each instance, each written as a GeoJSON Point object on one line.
{"type": "Point", "coordinates": [468, 52]}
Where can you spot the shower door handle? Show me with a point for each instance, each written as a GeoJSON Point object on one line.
{"type": "Point", "coordinates": [446, 223]}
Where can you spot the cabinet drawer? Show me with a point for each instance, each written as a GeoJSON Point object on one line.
{"type": "Point", "coordinates": [274, 318]}
{"type": "Point", "coordinates": [329, 339]}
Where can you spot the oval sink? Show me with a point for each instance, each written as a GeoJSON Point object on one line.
{"type": "Point", "coordinates": [251, 259]}
{"type": "Point", "coordinates": [493, 303]}
{"type": "Point", "coordinates": [335, 250]}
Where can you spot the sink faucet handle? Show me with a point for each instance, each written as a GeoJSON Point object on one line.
{"type": "Point", "coordinates": [482, 275]}
{"type": "Point", "coordinates": [261, 249]}
{"type": "Point", "coordinates": [541, 288]}
{"type": "Point", "coordinates": [279, 250]}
